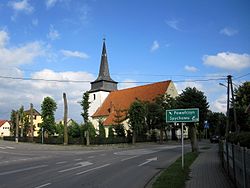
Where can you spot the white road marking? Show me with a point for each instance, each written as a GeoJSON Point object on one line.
{"type": "Point", "coordinates": [44, 185]}
{"type": "Point", "coordinates": [6, 147]}
{"type": "Point", "coordinates": [10, 147]}
{"type": "Point", "coordinates": [82, 164]}
{"type": "Point", "coordinates": [61, 162]}
{"type": "Point", "coordinates": [148, 161]}
{"type": "Point", "coordinates": [92, 169]}
{"type": "Point", "coordinates": [22, 170]}
{"type": "Point", "coordinates": [23, 159]}
{"type": "Point", "coordinates": [128, 158]}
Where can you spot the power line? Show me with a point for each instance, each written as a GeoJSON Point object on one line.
{"type": "Point", "coordinates": [242, 76]}
{"type": "Point", "coordinates": [88, 81]}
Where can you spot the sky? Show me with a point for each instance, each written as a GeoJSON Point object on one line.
{"type": "Point", "coordinates": [194, 43]}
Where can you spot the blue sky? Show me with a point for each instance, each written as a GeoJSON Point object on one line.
{"type": "Point", "coordinates": [147, 41]}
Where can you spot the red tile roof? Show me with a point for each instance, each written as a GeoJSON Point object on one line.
{"type": "Point", "coordinates": [3, 122]}
{"type": "Point", "coordinates": [122, 99]}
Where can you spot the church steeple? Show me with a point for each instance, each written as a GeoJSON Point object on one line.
{"type": "Point", "coordinates": [104, 67]}
{"type": "Point", "coordinates": [103, 81]}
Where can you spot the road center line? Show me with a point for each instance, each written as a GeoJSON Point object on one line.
{"type": "Point", "coordinates": [44, 185]}
{"type": "Point", "coordinates": [83, 164]}
{"type": "Point", "coordinates": [128, 158]}
{"type": "Point", "coordinates": [92, 169]}
{"type": "Point", "coordinates": [61, 162]}
{"type": "Point", "coordinates": [22, 170]}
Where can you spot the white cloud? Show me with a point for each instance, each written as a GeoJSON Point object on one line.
{"type": "Point", "coordinates": [22, 55]}
{"type": "Point", "coordinates": [76, 54]}
{"type": "Point", "coordinates": [22, 6]}
{"type": "Point", "coordinates": [15, 93]}
{"type": "Point", "coordinates": [227, 60]}
{"type": "Point", "coordinates": [4, 38]}
{"type": "Point", "coordinates": [183, 85]}
{"type": "Point", "coordinates": [191, 68]}
{"type": "Point", "coordinates": [18, 55]}
{"type": "Point", "coordinates": [228, 31]}
{"type": "Point", "coordinates": [220, 104]}
{"type": "Point", "coordinates": [174, 24]}
{"type": "Point", "coordinates": [53, 33]}
{"type": "Point", "coordinates": [155, 46]}
{"type": "Point", "coordinates": [50, 3]}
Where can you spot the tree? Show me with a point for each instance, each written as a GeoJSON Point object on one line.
{"type": "Point", "coordinates": [21, 120]}
{"type": "Point", "coordinates": [85, 107]}
{"type": "Point", "coordinates": [48, 109]}
{"type": "Point", "coordinates": [242, 101]}
{"type": "Point", "coordinates": [13, 122]}
{"type": "Point", "coordinates": [154, 119]}
{"type": "Point", "coordinates": [59, 129]}
{"type": "Point", "coordinates": [136, 115]}
{"type": "Point", "coordinates": [74, 130]}
{"type": "Point", "coordinates": [111, 132]}
{"type": "Point", "coordinates": [166, 102]}
{"type": "Point", "coordinates": [193, 98]}
{"type": "Point", "coordinates": [217, 123]}
{"type": "Point", "coordinates": [118, 119]}
{"type": "Point", "coordinates": [102, 133]}
{"type": "Point", "coordinates": [85, 114]}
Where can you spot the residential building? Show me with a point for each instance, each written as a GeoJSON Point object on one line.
{"type": "Point", "coordinates": [37, 120]}
{"type": "Point", "coordinates": [4, 128]}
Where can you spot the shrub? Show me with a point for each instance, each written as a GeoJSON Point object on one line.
{"type": "Point", "coordinates": [242, 138]}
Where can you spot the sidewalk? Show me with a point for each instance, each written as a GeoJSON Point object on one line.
{"type": "Point", "coordinates": [207, 172]}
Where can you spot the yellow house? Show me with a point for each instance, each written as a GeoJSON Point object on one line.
{"type": "Point", "coordinates": [4, 128]}
{"type": "Point", "coordinates": [37, 120]}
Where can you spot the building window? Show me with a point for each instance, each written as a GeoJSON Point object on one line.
{"type": "Point", "coordinates": [94, 96]}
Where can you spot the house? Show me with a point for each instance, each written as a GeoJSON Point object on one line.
{"type": "Point", "coordinates": [4, 128]}
{"type": "Point", "coordinates": [69, 121]}
{"type": "Point", "coordinates": [107, 102]}
{"type": "Point", "coordinates": [37, 120]}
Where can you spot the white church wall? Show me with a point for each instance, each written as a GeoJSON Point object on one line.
{"type": "Point", "coordinates": [96, 99]}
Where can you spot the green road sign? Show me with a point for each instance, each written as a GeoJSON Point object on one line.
{"type": "Point", "coordinates": [182, 115]}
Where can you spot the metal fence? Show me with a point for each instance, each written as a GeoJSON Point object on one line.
{"type": "Point", "coordinates": [236, 162]}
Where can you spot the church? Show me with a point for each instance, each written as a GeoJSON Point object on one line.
{"type": "Point", "coordinates": [107, 102]}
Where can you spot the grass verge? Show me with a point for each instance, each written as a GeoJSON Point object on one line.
{"type": "Point", "coordinates": [174, 176]}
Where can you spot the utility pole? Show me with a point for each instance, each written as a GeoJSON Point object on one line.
{"type": "Point", "coordinates": [31, 122]}
{"type": "Point", "coordinates": [17, 126]}
{"type": "Point", "coordinates": [65, 119]}
{"type": "Point", "coordinates": [228, 98]}
{"type": "Point", "coordinates": [237, 129]}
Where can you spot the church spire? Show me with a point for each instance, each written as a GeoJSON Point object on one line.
{"type": "Point", "coordinates": [103, 81]}
{"type": "Point", "coordinates": [104, 67]}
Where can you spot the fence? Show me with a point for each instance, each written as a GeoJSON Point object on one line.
{"type": "Point", "coordinates": [236, 162]}
{"type": "Point", "coordinates": [93, 141]}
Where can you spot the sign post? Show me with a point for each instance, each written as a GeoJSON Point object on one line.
{"type": "Point", "coordinates": [182, 116]}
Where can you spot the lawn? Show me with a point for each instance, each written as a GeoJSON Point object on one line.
{"type": "Point", "coordinates": [174, 176]}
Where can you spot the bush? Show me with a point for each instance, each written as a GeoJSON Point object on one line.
{"type": "Point", "coordinates": [242, 138]}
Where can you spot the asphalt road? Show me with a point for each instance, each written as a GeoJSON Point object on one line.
{"type": "Point", "coordinates": [35, 166]}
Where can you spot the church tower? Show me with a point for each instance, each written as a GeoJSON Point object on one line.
{"type": "Point", "coordinates": [103, 85]}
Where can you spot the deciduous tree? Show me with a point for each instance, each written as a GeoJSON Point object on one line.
{"type": "Point", "coordinates": [193, 98]}
{"type": "Point", "coordinates": [136, 115]}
